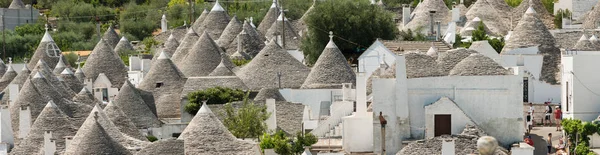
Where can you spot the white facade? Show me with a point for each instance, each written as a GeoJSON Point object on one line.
{"type": "Point", "coordinates": [138, 67]}
{"type": "Point", "coordinates": [580, 86]}
{"type": "Point", "coordinates": [102, 89]}
{"type": "Point", "coordinates": [370, 60]}
{"type": "Point", "coordinates": [313, 98]}
{"type": "Point", "coordinates": [445, 106]}
{"type": "Point", "coordinates": [493, 102]}
{"type": "Point", "coordinates": [358, 137]}
{"type": "Point", "coordinates": [577, 7]}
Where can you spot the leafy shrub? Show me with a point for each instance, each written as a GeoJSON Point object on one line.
{"type": "Point", "coordinates": [281, 144]}
{"type": "Point", "coordinates": [240, 62]}
{"type": "Point", "coordinates": [216, 95]}
{"type": "Point", "coordinates": [34, 29]}
{"type": "Point", "coordinates": [151, 138]}
{"type": "Point", "coordinates": [247, 121]}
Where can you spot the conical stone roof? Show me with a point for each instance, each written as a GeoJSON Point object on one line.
{"type": "Point", "coordinates": [186, 45]}
{"type": "Point", "coordinates": [55, 84]}
{"type": "Point", "coordinates": [252, 41]}
{"type": "Point", "coordinates": [70, 80]}
{"type": "Point", "coordinates": [78, 112]}
{"type": "Point", "coordinates": [116, 115]}
{"type": "Point", "coordinates": [594, 40]}
{"type": "Point", "coordinates": [7, 77]}
{"type": "Point", "coordinates": [51, 119]}
{"type": "Point", "coordinates": [215, 22]}
{"type": "Point", "coordinates": [421, 13]}
{"type": "Point", "coordinates": [169, 146]}
{"type": "Point", "coordinates": [167, 95]}
{"type": "Point", "coordinates": [593, 18]}
{"type": "Point", "coordinates": [447, 60]}
{"type": "Point", "coordinates": [45, 88]}
{"type": "Point", "coordinates": [169, 47]}
{"type": "Point", "coordinates": [94, 140]}
{"type": "Point", "coordinates": [86, 97]}
{"type": "Point", "coordinates": [584, 44]}
{"type": "Point", "coordinates": [230, 33]}
{"type": "Point", "coordinates": [22, 76]}
{"type": "Point", "coordinates": [269, 18]}
{"type": "Point", "coordinates": [60, 66]}
{"type": "Point", "coordinates": [222, 70]}
{"type": "Point", "coordinates": [111, 37]}
{"type": "Point", "coordinates": [262, 71]}
{"type": "Point", "coordinates": [545, 17]}
{"type": "Point", "coordinates": [16, 4]}
{"type": "Point", "coordinates": [494, 20]}
{"type": "Point", "coordinates": [421, 65]}
{"type": "Point", "coordinates": [79, 74]}
{"type": "Point", "coordinates": [330, 70]}
{"type": "Point", "coordinates": [203, 58]}
{"type": "Point", "coordinates": [123, 46]}
{"type": "Point", "coordinates": [478, 65]}
{"type": "Point", "coordinates": [530, 32]}
{"type": "Point", "coordinates": [48, 51]}
{"type": "Point", "coordinates": [200, 19]}
{"type": "Point", "coordinates": [207, 135]}
{"type": "Point", "coordinates": [267, 93]}
{"type": "Point", "coordinates": [28, 97]}
{"type": "Point", "coordinates": [3, 68]}
{"type": "Point", "coordinates": [292, 40]}
{"type": "Point", "coordinates": [132, 104]}
{"type": "Point", "coordinates": [104, 60]}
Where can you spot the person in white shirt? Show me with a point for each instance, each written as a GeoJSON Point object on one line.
{"type": "Point", "coordinates": [531, 110]}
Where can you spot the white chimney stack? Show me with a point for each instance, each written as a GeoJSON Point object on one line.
{"type": "Point", "coordinates": [24, 121]}
{"type": "Point", "coordinates": [455, 14]}
{"type": "Point", "coordinates": [163, 23]}
{"type": "Point", "coordinates": [405, 14]}
{"type": "Point", "coordinates": [448, 147]}
{"type": "Point", "coordinates": [49, 143]}
{"type": "Point", "coordinates": [272, 120]}
{"type": "Point", "coordinates": [361, 94]}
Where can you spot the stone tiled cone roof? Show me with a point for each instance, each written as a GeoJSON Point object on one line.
{"type": "Point", "coordinates": [123, 45]}
{"type": "Point", "coordinates": [111, 37]}
{"type": "Point", "coordinates": [94, 140]}
{"type": "Point", "coordinates": [532, 32]}
{"type": "Point", "coordinates": [200, 83]}
{"type": "Point", "coordinates": [421, 65]}
{"type": "Point", "coordinates": [185, 46]}
{"type": "Point", "coordinates": [267, 93]}
{"type": "Point", "coordinates": [45, 88]}
{"type": "Point", "coordinates": [116, 115]}
{"type": "Point", "coordinates": [472, 26]}
{"type": "Point", "coordinates": [60, 66]}
{"type": "Point", "coordinates": [85, 97]}
{"type": "Point", "coordinates": [50, 119]}
{"type": "Point", "coordinates": [22, 76]}
{"type": "Point", "coordinates": [48, 51]}
{"type": "Point", "coordinates": [584, 44]}
{"type": "Point", "coordinates": [29, 96]}
{"type": "Point", "coordinates": [447, 60]}
{"type": "Point", "coordinates": [7, 77]}
{"type": "Point", "coordinates": [593, 39]}
{"type": "Point", "coordinates": [104, 60]}
{"type": "Point", "coordinates": [215, 22]}
{"type": "Point", "coordinates": [478, 65]}
{"type": "Point", "coordinates": [289, 115]}
{"type": "Point", "coordinates": [166, 97]}
{"type": "Point", "coordinates": [300, 24]}
{"type": "Point", "coordinates": [130, 101]}
{"type": "Point", "coordinates": [252, 42]}
{"type": "Point", "coordinates": [292, 40]}
{"type": "Point", "coordinates": [200, 19]}
{"type": "Point", "coordinates": [593, 18]}
{"type": "Point", "coordinates": [230, 33]}
{"type": "Point", "coordinates": [16, 4]}
{"type": "Point", "coordinates": [330, 70]}
{"type": "Point", "coordinates": [207, 135]}
{"type": "Point", "coordinates": [466, 143]}
{"type": "Point", "coordinates": [262, 71]}
{"type": "Point", "coordinates": [269, 19]}
{"type": "Point", "coordinates": [203, 58]}
{"type": "Point", "coordinates": [537, 5]}
{"type": "Point", "coordinates": [490, 15]}
{"type": "Point", "coordinates": [169, 146]}
{"type": "Point", "coordinates": [169, 48]}
{"type": "Point", "coordinates": [78, 111]}
{"type": "Point", "coordinates": [178, 33]}
{"type": "Point", "coordinates": [421, 13]}
{"type": "Point", "coordinates": [70, 80]}
{"type": "Point", "coordinates": [3, 68]}
{"type": "Point", "coordinates": [79, 74]}
{"type": "Point", "coordinates": [222, 70]}
{"type": "Point", "coordinates": [56, 85]}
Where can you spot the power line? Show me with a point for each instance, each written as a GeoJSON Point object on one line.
{"type": "Point", "coordinates": [584, 84]}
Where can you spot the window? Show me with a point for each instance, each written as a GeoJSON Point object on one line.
{"type": "Point", "coordinates": [567, 96]}
{"type": "Point", "coordinates": [52, 50]}
{"type": "Point", "coordinates": [525, 89]}
{"type": "Point", "coordinates": [105, 94]}
{"type": "Point", "coordinates": [159, 84]}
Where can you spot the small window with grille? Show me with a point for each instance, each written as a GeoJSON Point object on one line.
{"type": "Point", "coordinates": [52, 50]}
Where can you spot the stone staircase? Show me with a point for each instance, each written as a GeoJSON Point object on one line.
{"type": "Point", "coordinates": [399, 47]}
{"type": "Point", "coordinates": [332, 126]}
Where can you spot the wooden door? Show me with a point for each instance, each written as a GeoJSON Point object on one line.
{"type": "Point", "coordinates": [443, 125]}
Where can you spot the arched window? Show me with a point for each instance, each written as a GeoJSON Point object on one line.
{"type": "Point", "coordinates": [52, 50]}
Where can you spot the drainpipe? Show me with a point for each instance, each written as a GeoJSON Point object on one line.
{"type": "Point", "coordinates": [431, 22]}
{"type": "Point", "coordinates": [437, 34]}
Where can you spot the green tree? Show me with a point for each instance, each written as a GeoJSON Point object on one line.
{"type": "Point", "coordinates": [358, 28]}
{"type": "Point", "coordinates": [560, 14]}
{"type": "Point", "coordinates": [216, 95]}
{"type": "Point", "coordinates": [248, 121]}
{"type": "Point", "coordinates": [479, 33]}
{"type": "Point", "coordinates": [513, 3]}
{"type": "Point", "coordinates": [283, 145]}
{"type": "Point", "coordinates": [303, 140]}
{"type": "Point", "coordinates": [409, 35]}
{"type": "Point", "coordinates": [34, 29]}
{"type": "Point", "coordinates": [139, 20]}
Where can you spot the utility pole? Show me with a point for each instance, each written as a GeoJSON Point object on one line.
{"type": "Point", "coordinates": [3, 37]}
{"type": "Point", "coordinates": [31, 9]}
{"type": "Point", "coordinates": [282, 25]}
{"type": "Point", "coordinates": [192, 11]}
{"type": "Point", "coordinates": [279, 79]}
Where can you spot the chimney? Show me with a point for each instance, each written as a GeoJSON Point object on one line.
{"type": "Point", "coordinates": [405, 14]}
{"type": "Point", "coordinates": [347, 91]}
{"type": "Point", "coordinates": [361, 94]}
{"type": "Point", "coordinates": [24, 121]}
{"type": "Point", "coordinates": [239, 41]}
{"type": "Point", "coordinates": [6, 133]}
{"type": "Point", "coordinates": [49, 143]}
{"type": "Point", "coordinates": [163, 23]}
{"type": "Point", "coordinates": [272, 120]}
{"type": "Point", "coordinates": [68, 140]}
{"type": "Point", "coordinates": [431, 13]}
{"type": "Point", "coordinates": [439, 29]}
{"type": "Point", "coordinates": [455, 13]}
{"type": "Point", "coordinates": [448, 147]}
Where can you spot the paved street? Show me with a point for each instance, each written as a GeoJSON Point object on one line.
{"type": "Point", "coordinates": [539, 134]}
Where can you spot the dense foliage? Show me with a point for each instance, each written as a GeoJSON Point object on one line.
{"type": "Point", "coordinates": [548, 4]}
{"type": "Point", "coordinates": [479, 34]}
{"type": "Point", "coordinates": [354, 30]}
{"type": "Point", "coordinates": [247, 121]}
{"type": "Point", "coordinates": [409, 35]}
{"type": "Point", "coordinates": [578, 133]}
{"type": "Point", "coordinates": [216, 95]}
{"type": "Point", "coordinates": [558, 18]}
{"type": "Point", "coordinates": [281, 144]}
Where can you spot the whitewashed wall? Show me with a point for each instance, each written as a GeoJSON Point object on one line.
{"type": "Point", "coordinates": [581, 72]}
{"type": "Point", "coordinates": [531, 66]}
{"type": "Point", "coordinates": [311, 97]}
{"type": "Point", "coordinates": [370, 60]}
{"type": "Point", "coordinates": [445, 106]}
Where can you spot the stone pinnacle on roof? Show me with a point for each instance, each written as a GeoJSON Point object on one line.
{"type": "Point", "coordinates": [94, 137]}
{"type": "Point", "coordinates": [22, 76]}
{"type": "Point", "coordinates": [203, 58]}
{"type": "Point", "coordinates": [421, 13]}
{"type": "Point", "coordinates": [292, 40]}
{"type": "Point", "coordinates": [595, 41]}
{"type": "Point", "coordinates": [263, 70]}
{"type": "Point", "coordinates": [51, 119]}
{"type": "Point", "coordinates": [593, 18]}
{"type": "Point", "coordinates": [205, 134]}
{"type": "Point", "coordinates": [132, 104]}
{"type": "Point", "coordinates": [198, 22]}
{"type": "Point", "coordinates": [60, 66]}
{"type": "Point", "coordinates": [116, 115]}
{"type": "Point", "coordinates": [431, 52]}
{"type": "Point", "coordinates": [584, 44]}
{"type": "Point", "coordinates": [169, 47]}
{"type": "Point", "coordinates": [171, 80]}
{"type": "Point", "coordinates": [71, 80]}
{"type": "Point", "coordinates": [537, 7]}
{"type": "Point", "coordinates": [79, 73]}
{"type": "Point", "coordinates": [231, 31]}
{"type": "Point", "coordinates": [123, 46]}
{"type": "Point", "coordinates": [330, 70]}
{"type": "Point", "coordinates": [215, 22]}
{"type": "Point", "coordinates": [111, 37]}
{"type": "Point", "coordinates": [16, 4]}
{"type": "Point", "coordinates": [185, 46]}
{"type": "Point", "coordinates": [86, 97]}
{"type": "Point", "coordinates": [104, 60]}
{"type": "Point", "coordinates": [269, 18]}
{"type": "Point", "coordinates": [478, 65]}
{"type": "Point", "coordinates": [251, 41]}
